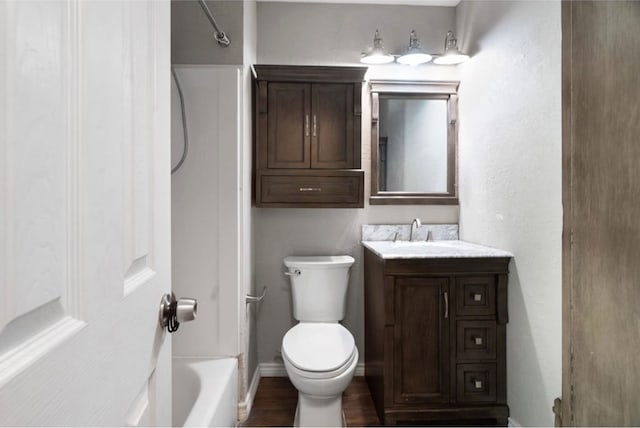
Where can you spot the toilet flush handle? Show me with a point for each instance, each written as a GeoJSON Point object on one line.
{"type": "Point", "coordinates": [295, 272]}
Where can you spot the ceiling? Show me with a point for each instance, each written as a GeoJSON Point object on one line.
{"type": "Point", "coordinates": [449, 3]}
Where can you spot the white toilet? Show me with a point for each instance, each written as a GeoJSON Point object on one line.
{"type": "Point", "coordinates": [319, 354]}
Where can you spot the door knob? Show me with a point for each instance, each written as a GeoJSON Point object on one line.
{"type": "Point", "coordinates": [174, 311]}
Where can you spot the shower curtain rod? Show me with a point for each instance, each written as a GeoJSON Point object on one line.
{"type": "Point", "coordinates": [221, 37]}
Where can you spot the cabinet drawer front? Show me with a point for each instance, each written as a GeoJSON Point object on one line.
{"type": "Point", "coordinates": [318, 190]}
{"type": "Point", "coordinates": [476, 295]}
{"type": "Point", "coordinates": [476, 340]}
{"type": "Point", "coordinates": [476, 383]}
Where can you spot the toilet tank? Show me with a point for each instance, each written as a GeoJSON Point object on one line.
{"type": "Point", "coordinates": [319, 286]}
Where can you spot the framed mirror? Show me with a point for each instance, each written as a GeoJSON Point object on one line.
{"type": "Point", "coordinates": [413, 142]}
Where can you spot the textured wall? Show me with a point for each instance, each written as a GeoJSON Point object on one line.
{"type": "Point", "coordinates": [192, 36]}
{"type": "Point", "coordinates": [313, 33]}
{"type": "Point", "coordinates": [510, 180]}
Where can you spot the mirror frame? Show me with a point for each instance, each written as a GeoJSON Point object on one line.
{"type": "Point", "coordinates": [438, 90]}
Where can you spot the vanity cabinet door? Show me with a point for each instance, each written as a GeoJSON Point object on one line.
{"type": "Point", "coordinates": [421, 341]}
{"type": "Point", "coordinates": [289, 125]}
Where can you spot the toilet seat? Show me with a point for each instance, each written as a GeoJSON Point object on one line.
{"type": "Point", "coordinates": [319, 350]}
{"type": "Point", "coordinates": [293, 370]}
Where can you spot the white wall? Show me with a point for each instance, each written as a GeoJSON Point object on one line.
{"type": "Point", "coordinates": [510, 180]}
{"type": "Point", "coordinates": [205, 209]}
{"type": "Point", "coordinates": [335, 33]}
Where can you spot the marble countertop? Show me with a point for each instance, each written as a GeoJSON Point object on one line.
{"type": "Point", "coordinates": [432, 249]}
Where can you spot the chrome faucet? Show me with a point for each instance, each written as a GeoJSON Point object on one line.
{"type": "Point", "coordinates": [416, 222]}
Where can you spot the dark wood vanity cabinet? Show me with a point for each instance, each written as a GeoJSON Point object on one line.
{"type": "Point", "coordinates": [435, 340]}
{"type": "Point", "coordinates": [307, 136]}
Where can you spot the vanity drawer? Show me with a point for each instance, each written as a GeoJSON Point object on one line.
{"type": "Point", "coordinates": [344, 191]}
{"type": "Point", "coordinates": [475, 340]}
{"type": "Point", "coordinates": [476, 295]}
{"type": "Point", "coordinates": [476, 383]}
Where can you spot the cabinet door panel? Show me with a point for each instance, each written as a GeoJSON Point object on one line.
{"type": "Point", "coordinates": [332, 126]}
{"type": "Point", "coordinates": [289, 127]}
{"type": "Point", "coordinates": [421, 348]}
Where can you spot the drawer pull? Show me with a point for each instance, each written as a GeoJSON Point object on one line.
{"type": "Point", "coordinates": [446, 304]}
{"type": "Point", "coordinates": [310, 189]}
{"type": "Point", "coordinates": [477, 340]}
{"type": "Point", "coordinates": [477, 384]}
{"type": "Point", "coordinates": [477, 297]}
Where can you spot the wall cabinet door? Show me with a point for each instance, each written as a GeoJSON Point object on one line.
{"type": "Point", "coordinates": [332, 126]}
{"type": "Point", "coordinates": [289, 125]}
{"type": "Point", "coordinates": [421, 341]}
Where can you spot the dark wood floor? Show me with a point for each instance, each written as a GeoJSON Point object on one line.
{"type": "Point", "coordinates": [276, 399]}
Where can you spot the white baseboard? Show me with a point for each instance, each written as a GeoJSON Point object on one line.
{"type": "Point", "coordinates": [272, 370]}
{"type": "Point", "coordinates": [244, 408]}
{"type": "Point", "coordinates": [278, 370]}
{"type": "Point", "coordinates": [513, 423]}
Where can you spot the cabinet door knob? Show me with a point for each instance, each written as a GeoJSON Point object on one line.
{"type": "Point", "coordinates": [477, 340]}
{"type": "Point", "coordinates": [306, 125]}
{"type": "Point", "coordinates": [477, 384]}
{"type": "Point", "coordinates": [315, 126]}
{"type": "Point", "coordinates": [477, 297]}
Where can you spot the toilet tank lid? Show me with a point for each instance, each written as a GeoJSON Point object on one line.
{"type": "Point", "coordinates": [318, 262]}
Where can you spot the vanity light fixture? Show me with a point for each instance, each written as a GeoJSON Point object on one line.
{"type": "Point", "coordinates": [377, 55]}
{"type": "Point", "coordinates": [414, 54]}
{"type": "Point", "coordinates": [451, 54]}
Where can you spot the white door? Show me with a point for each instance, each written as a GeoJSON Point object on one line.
{"type": "Point", "coordinates": [84, 212]}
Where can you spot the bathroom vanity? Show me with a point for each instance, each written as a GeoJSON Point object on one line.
{"type": "Point", "coordinates": [435, 332]}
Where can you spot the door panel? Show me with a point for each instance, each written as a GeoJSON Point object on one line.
{"type": "Point", "coordinates": [421, 341]}
{"type": "Point", "coordinates": [84, 224]}
{"type": "Point", "coordinates": [601, 190]}
{"type": "Point", "coordinates": [332, 126]}
{"type": "Point", "coordinates": [289, 128]}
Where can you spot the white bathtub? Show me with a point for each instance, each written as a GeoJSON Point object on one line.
{"type": "Point", "coordinates": [205, 392]}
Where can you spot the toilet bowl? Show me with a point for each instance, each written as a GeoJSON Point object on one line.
{"type": "Point", "coordinates": [319, 354]}
{"type": "Point", "coordinates": [320, 359]}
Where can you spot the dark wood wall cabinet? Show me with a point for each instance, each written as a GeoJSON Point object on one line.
{"type": "Point", "coordinates": [307, 136]}
{"type": "Point", "coordinates": [435, 340]}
